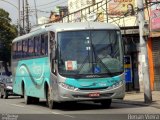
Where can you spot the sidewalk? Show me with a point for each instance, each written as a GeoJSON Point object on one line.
{"type": "Point", "coordinates": [138, 99]}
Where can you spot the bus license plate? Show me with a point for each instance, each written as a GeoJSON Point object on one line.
{"type": "Point", "coordinates": [94, 95]}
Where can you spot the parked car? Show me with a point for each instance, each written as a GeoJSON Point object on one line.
{"type": "Point", "coordinates": [6, 87]}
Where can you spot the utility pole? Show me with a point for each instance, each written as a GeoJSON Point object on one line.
{"type": "Point", "coordinates": [107, 10]}
{"type": "Point", "coordinates": [23, 15]}
{"type": "Point", "coordinates": [36, 12]}
{"type": "Point", "coordinates": [19, 17]}
{"type": "Point", "coordinates": [27, 17]}
{"type": "Point", "coordinates": [143, 55]}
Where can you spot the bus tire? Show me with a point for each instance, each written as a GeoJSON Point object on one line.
{"type": "Point", "coordinates": [27, 99]}
{"type": "Point", "coordinates": [5, 95]}
{"type": "Point", "coordinates": [22, 96]}
{"type": "Point", "coordinates": [35, 100]}
{"type": "Point", "coordinates": [50, 103]}
{"type": "Point", "coordinates": [106, 103]}
{"type": "Point", "coordinates": [22, 85]}
{"type": "Point", "coordinates": [1, 95]}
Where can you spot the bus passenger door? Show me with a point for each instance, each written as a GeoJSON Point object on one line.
{"type": "Point", "coordinates": [53, 59]}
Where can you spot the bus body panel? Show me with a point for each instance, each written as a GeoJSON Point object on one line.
{"type": "Point", "coordinates": [34, 73]}
{"type": "Point", "coordinates": [92, 82]}
{"type": "Point", "coordinates": [68, 95]}
{"type": "Point", "coordinates": [107, 88]}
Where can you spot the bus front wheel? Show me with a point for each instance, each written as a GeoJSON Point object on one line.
{"type": "Point", "coordinates": [5, 95]}
{"type": "Point", "coordinates": [1, 96]}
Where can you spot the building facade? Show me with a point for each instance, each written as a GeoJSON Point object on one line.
{"type": "Point", "coordinates": [154, 44]}
{"type": "Point", "coordinates": [120, 13]}
{"type": "Point", "coordinates": [123, 13]}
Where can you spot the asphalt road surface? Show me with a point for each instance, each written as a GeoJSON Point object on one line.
{"type": "Point", "coordinates": [14, 108]}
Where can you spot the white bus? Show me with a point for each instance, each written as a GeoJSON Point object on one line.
{"type": "Point", "coordinates": [69, 62]}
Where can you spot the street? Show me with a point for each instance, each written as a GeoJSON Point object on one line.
{"type": "Point", "coordinates": [82, 110]}
{"type": "Point", "coordinates": [68, 50]}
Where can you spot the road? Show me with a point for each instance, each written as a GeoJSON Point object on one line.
{"type": "Point", "coordinates": [68, 111]}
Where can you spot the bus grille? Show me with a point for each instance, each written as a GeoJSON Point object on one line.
{"type": "Point", "coordinates": [87, 96]}
{"type": "Point", "coordinates": [93, 88]}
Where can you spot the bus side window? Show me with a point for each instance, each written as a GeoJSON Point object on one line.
{"type": "Point", "coordinates": [31, 47]}
{"type": "Point", "coordinates": [44, 44]}
{"type": "Point", "coordinates": [25, 48]}
{"type": "Point", "coordinates": [22, 48]}
{"type": "Point", "coordinates": [37, 46]}
{"type": "Point", "coordinates": [19, 54]}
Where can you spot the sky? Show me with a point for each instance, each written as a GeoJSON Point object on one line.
{"type": "Point", "coordinates": [44, 8]}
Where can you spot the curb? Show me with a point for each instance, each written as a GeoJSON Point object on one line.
{"type": "Point", "coordinates": [140, 102]}
{"type": "Point", "coordinates": [131, 103]}
{"type": "Point", "coordinates": [155, 105]}
{"type": "Point", "coordinates": [158, 107]}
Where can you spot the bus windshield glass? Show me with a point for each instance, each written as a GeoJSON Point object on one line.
{"type": "Point", "coordinates": [90, 52]}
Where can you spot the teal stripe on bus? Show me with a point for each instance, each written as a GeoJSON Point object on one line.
{"type": "Point", "coordinates": [34, 73]}
{"type": "Point", "coordinates": [92, 82]}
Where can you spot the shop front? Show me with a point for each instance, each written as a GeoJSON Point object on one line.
{"type": "Point", "coordinates": [154, 45]}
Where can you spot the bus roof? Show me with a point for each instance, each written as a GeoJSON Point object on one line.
{"type": "Point", "coordinates": [68, 27]}
{"type": "Point", "coordinates": [81, 26]}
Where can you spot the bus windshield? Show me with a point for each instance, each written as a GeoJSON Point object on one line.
{"type": "Point", "coordinates": [90, 52]}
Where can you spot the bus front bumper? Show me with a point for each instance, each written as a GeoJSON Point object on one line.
{"type": "Point", "coordinates": [89, 95]}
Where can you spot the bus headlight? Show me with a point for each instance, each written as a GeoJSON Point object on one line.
{"type": "Point", "coordinates": [115, 85]}
{"type": "Point", "coordinates": [68, 86]}
{"type": "Point", "coordinates": [118, 83]}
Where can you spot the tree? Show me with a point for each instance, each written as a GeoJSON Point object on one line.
{"type": "Point", "coordinates": [7, 33]}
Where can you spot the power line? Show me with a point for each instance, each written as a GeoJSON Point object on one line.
{"type": "Point", "coordinates": [27, 16]}
{"type": "Point", "coordinates": [47, 3]}
{"type": "Point", "coordinates": [93, 11]}
{"type": "Point", "coordinates": [38, 10]}
{"type": "Point", "coordinates": [54, 5]}
{"type": "Point", "coordinates": [10, 4]}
